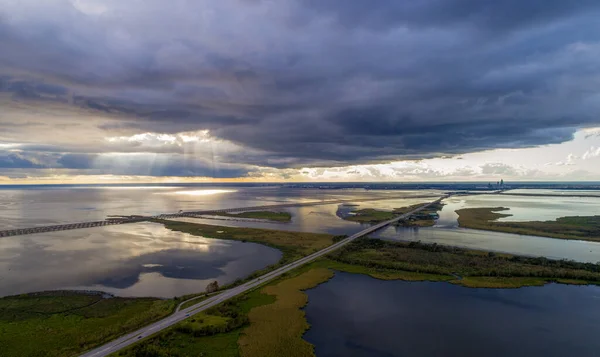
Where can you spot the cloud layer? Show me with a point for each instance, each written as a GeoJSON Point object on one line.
{"type": "Point", "coordinates": [290, 84]}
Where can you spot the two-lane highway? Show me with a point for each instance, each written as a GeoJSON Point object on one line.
{"type": "Point", "coordinates": [180, 315]}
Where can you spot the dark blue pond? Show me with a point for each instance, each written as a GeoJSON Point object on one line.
{"type": "Point", "coordinates": [356, 315]}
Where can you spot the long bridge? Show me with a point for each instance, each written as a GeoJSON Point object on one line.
{"type": "Point", "coordinates": [137, 219]}
{"type": "Point", "coordinates": [131, 338]}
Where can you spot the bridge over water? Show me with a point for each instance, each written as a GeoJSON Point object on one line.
{"type": "Point", "coordinates": [137, 219]}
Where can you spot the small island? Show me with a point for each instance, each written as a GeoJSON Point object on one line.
{"type": "Point", "coordinates": [265, 215]}
{"type": "Point", "coordinates": [423, 218]}
{"type": "Point", "coordinates": [369, 215]}
{"type": "Point", "coordinates": [571, 227]}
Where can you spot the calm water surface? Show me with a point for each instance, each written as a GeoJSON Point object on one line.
{"type": "Point", "coordinates": [142, 259]}
{"type": "Point", "coordinates": [320, 219]}
{"type": "Point", "coordinates": [41, 205]}
{"type": "Point", "coordinates": [148, 260]}
{"type": "Point", "coordinates": [522, 208]}
{"type": "Point", "coordinates": [594, 193]}
{"type": "Point", "coordinates": [446, 230]}
{"type": "Point", "coordinates": [356, 315]}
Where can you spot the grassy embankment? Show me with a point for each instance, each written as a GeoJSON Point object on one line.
{"type": "Point", "coordinates": [68, 323]}
{"type": "Point", "coordinates": [273, 323]}
{"type": "Point", "coordinates": [392, 260]}
{"type": "Point", "coordinates": [276, 329]}
{"type": "Point", "coordinates": [266, 215]}
{"type": "Point", "coordinates": [293, 245]}
{"type": "Point", "coordinates": [263, 323]}
{"type": "Point", "coordinates": [199, 297]}
{"type": "Point", "coordinates": [214, 332]}
{"type": "Point", "coordinates": [573, 227]}
{"type": "Point", "coordinates": [373, 216]}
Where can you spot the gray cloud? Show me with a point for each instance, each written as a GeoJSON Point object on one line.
{"type": "Point", "coordinates": [18, 160]}
{"type": "Point", "coordinates": [13, 163]}
{"type": "Point", "coordinates": [496, 16]}
{"type": "Point", "coordinates": [301, 83]}
{"type": "Point", "coordinates": [150, 165]}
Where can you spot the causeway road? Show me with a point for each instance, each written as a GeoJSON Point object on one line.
{"type": "Point", "coordinates": [180, 315]}
{"type": "Point", "coordinates": [137, 219]}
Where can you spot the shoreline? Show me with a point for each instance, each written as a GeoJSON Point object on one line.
{"type": "Point", "coordinates": [582, 228]}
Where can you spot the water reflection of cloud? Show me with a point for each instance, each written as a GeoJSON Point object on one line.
{"type": "Point", "coordinates": [121, 258]}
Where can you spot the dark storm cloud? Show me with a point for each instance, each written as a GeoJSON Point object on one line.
{"type": "Point", "coordinates": [485, 15]}
{"type": "Point", "coordinates": [312, 82]}
{"type": "Point", "coordinates": [150, 165]}
{"type": "Point", "coordinates": [123, 164]}
{"type": "Point", "coordinates": [20, 161]}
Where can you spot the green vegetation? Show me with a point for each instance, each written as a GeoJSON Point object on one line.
{"type": "Point", "coordinates": [370, 215]}
{"type": "Point", "coordinates": [268, 321]}
{"type": "Point", "coordinates": [267, 215]}
{"type": "Point", "coordinates": [64, 323]}
{"type": "Point", "coordinates": [294, 245]}
{"type": "Point", "coordinates": [573, 227]}
{"type": "Point", "coordinates": [199, 298]}
{"type": "Point", "coordinates": [276, 329]}
{"type": "Point", "coordinates": [264, 322]}
{"type": "Point", "coordinates": [424, 218]}
{"type": "Point", "coordinates": [478, 269]}
{"type": "Point", "coordinates": [214, 332]}
{"type": "Point", "coordinates": [403, 210]}
{"type": "Point", "coordinates": [379, 273]}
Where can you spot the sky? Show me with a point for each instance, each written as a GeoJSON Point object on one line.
{"type": "Point", "coordinates": [299, 90]}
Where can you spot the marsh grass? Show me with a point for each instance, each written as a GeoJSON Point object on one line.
{"type": "Point", "coordinates": [276, 329]}
{"type": "Point", "coordinates": [68, 323]}
{"type": "Point", "coordinates": [294, 245]}
{"type": "Point", "coordinates": [214, 332]}
{"type": "Point", "coordinates": [266, 215]}
{"type": "Point", "coordinates": [572, 227]}
{"type": "Point", "coordinates": [442, 260]}
{"type": "Point", "coordinates": [370, 215]}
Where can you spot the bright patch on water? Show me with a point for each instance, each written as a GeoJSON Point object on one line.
{"type": "Point", "coordinates": [202, 192]}
{"type": "Point", "coordinates": [151, 265]}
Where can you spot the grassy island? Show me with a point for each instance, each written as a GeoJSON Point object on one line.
{"type": "Point", "coordinates": [370, 215]}
{"type": "Point", "coordinates": [266, 215]}
{"type": "Point", "coordinates": [424, 218]}
{"type": "Point", "coordinates": [572, 227]}
{"type": "Point", "coordinates": [472, 268]}
{"type": "Point", "coordinates": [294, 245]}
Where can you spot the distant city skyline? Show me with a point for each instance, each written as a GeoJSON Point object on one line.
{"type": "Point", "coordinates": [107, 91]}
